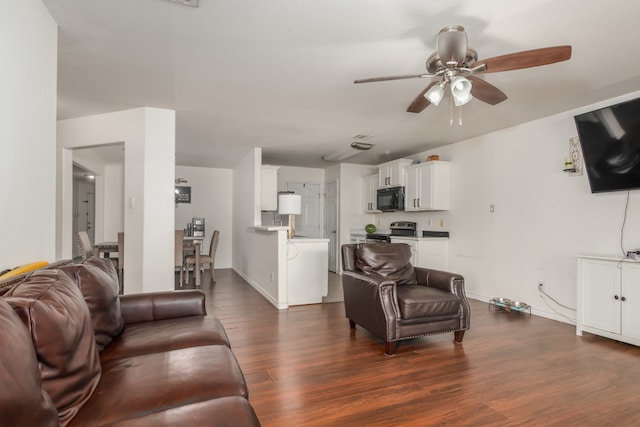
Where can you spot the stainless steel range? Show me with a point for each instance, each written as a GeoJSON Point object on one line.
{"type": "Point", "coordinates": [398, 228]}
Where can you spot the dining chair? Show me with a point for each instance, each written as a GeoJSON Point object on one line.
{"type": "Point", "coordinates": [179, 253]}
{"type": "Point", "coordinates": [86, 248]}
{"type": "Point", "coordinates": [120, 265]}
{"type": "Point", "coordinates": [205, 258]}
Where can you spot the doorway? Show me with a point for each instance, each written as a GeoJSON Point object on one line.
{"type": "Point", "coordinates": [331, 223]}
{"type": "Point", "coordinates": [84, 205]}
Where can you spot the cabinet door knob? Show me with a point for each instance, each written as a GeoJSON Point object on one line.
{"type": "Point", "coordinates": [616, 297]}
{"type": "Point", "coordinates": [623, 298]}
{"type": "Point", "coordinates": [418, 202]}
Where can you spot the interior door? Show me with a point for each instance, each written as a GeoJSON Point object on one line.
{"type": "Point", "coordinates": [331, 223]}
{"type": "Point", "coordinates": [308, 222]}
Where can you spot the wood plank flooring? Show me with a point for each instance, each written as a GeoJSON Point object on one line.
{"type": "Point", "coordinates": [304, 367]}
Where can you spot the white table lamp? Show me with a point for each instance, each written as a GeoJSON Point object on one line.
{"type": "Point", "coordinates": [290, 204]}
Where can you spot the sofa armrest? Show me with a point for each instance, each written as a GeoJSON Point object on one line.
{"type": "Point", "coordinates": [146, 307]}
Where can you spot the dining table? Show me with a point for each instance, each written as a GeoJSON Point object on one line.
{"type": "Point", "coordinates": [105, 248]}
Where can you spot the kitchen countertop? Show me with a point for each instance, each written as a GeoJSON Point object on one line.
{"type": "Point", "coordinates": [419, 238]}
{"type": "Point", "coordinates": [307, 240]}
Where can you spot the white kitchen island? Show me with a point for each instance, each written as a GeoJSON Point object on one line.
{"type": "Point", "coordinates": [307, 270]}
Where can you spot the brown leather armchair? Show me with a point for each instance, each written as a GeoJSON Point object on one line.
{"type": "Point", "coordinates": [394, 301]}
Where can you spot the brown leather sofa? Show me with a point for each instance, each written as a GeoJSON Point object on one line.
{"type": "Point", "coordinates": [394, 300]}
{"type": "Point", "coordinates": [74, 353]}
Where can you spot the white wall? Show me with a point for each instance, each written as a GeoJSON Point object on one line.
{"type": "Point", "coordinates": [351, 197]}
{"type": "Point", "coordinates": [543, 217]}
{"type": "Point", "coordinates": [113, 207]}
{"type": "Point", "coordinates": [28, 52]}
{"type": "Point", "coordinates": [211, 199]}
{"type": "Point", "coordinates": [149, 138]}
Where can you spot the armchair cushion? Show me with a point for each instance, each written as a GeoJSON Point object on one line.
{"type": "Point", "coordinates": [390, 262]}
{"type": "Point", "coordinates": [417, 302]}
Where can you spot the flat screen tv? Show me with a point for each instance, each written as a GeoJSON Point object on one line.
{"type": "Point", "coordinates": [610, 140]}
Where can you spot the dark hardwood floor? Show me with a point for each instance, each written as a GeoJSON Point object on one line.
{"type": "Point", "coordinates": [304, 367]}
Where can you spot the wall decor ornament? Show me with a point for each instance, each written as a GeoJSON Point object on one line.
{"type": "Point", "coordinates": [573, 163]}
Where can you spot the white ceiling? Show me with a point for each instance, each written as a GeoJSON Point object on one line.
{"type": "Point", "coordinates": [279, 74]}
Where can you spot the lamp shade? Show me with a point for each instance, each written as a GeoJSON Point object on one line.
{"type": "Point", "coordinates": [461, 90]}
{"type": "Point", "coordinates": [435, 94]}
{"type": "Point", "coordinates": [290, 204]}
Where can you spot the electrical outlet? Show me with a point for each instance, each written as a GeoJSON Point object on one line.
{"type": "Point", "coordinates": [541, 285]}
{"type": "Point", "coordinates": [442, 223]}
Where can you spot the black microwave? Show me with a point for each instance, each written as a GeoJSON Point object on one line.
{"type": "Point", "coordinates": [391, 199]}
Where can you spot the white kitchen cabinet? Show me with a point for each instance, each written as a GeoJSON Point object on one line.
{"type": "Point", "coordinates": [269, 188]}
{"type": "Point", "coordinates": [427, 186]}
{"type": "Point", "coordinates": [432, 252]}
{"type": "Point", "coordinates": [392, 174]}
{"type": "Point", "coordinates": [370, 194]}
{"type": "Point", "coordinates": [609, 298]}
{"type": "Point", "coordinates": [357, 238]}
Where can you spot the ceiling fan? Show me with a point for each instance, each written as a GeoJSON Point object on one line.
{"type": "Point", "coordinates": [455, 65]}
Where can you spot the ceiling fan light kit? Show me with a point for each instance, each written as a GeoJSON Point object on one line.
{"type": "Point", "coordinates": [435, 94]}
{"type": "Point", "coordinates": [454, 64]}
{"type": "Point", "coordinates": [461, 90]}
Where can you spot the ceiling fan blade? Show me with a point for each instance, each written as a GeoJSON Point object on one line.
{"type": "Point", "coordinates": [486, 92]}
{"type": "Point", "coordinates": [420, 102]}
{"type": "Point", "coordinates": [526, 59]}
{"type": "Point", "coordinates": [398, 77]}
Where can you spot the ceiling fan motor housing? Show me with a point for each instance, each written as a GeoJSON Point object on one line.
{"type": "Point", "coordinates": [452, 45]}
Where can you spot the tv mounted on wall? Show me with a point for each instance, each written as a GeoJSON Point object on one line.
{"type": "Point", "coordinates": [610, 139]}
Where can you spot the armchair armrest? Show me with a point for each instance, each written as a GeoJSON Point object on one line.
{"type": "Point", "coordinates": [371, 301]}
{"type": "Point", "coordinates": [145, 307]}
{"type": "Point", "coordinates": [445, 280]}
{"type": "Point", "coordinates": [449, 282]}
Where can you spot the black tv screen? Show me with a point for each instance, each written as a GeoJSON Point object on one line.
{"type": "Point", "coordinates": [610, 140]}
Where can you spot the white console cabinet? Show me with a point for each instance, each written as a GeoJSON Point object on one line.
{"type": "Point", "coordinates": [357, 238]}
{"type": "Point", "coordinates": [370, 194]}
{"type": "Point", "coordinates": [427, 186]}
{"type": "Point", "coordinates": [609, 298]}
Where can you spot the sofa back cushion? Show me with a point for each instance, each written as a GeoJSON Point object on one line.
{"type": "Point", "coordinates": [391, 261]}
{"type": "Point", "coordinates": [51, 306]}
{"type": "Point", "coordinates": [23, 402]}
{"type": "Point", "coordinates": [98, 282]}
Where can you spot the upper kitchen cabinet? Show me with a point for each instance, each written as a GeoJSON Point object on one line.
{"type": "Point", "coordinates": [370, 194]}
{"type": "Point", "coordinates": [269, 187]}
{"type": "Point", "coordinates": [392, 174]}
{"type": "Point", "coordinates": [427, 187]}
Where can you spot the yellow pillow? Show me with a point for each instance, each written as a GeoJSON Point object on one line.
{"type": "Point", "coordinates": [24, 269]}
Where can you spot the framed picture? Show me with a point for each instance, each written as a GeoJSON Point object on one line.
{"type": "Point", "coordinates": [183, 194]}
